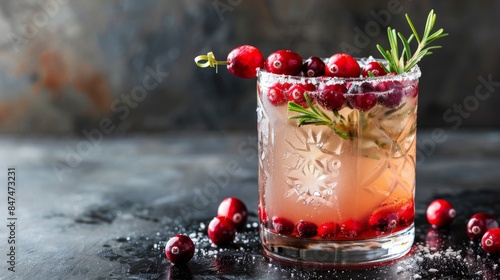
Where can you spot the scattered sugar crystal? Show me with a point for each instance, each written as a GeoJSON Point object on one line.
{"type": "Point", "coordinates": [417, 276]}
{"type": "Point", "coordinates": [433, 270]}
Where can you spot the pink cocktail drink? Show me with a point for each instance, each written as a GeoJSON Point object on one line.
{"type": "Point", "coordinates": [337, 148]}
{"type": "Point", "coordinates": [337, 167]}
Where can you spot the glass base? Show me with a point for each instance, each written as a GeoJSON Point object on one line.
{"type": "Point", "coordinates": [337, 253]}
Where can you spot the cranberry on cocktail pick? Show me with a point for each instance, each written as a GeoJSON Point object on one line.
{"type": "Point", "coordinates": [242, 61]}
{"type": "Point", "coordinates": [374, 69]}
{"type": "Point", "coordinates": [313, 67]}
{"type": "Point", "coordinates": [284, 62]}
{"type": "Point", "coordinates": [179, 249]}
{"type": "Point", "coordinates": [440, 213]}
{"type": "Point", "coordinates": [342, 65]}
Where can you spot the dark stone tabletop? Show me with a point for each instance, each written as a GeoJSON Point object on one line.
{"type": "Point", "coordinates": [104, 209]}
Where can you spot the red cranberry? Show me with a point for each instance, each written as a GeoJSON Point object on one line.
{"type": "Point", "coordinates": [342, 65]}
{"type": "Point", "coordinates": [221, 231]}
{"type": "Point", "coordinates": [407, 215]}
{"type": "Point", "coordinates": [243, 61]}
{"type": "Point", "coordinates": [179, 249]}
{"type": "Point", "coordinates": [351, 228]}
{"type": "Point", "coordinates": [491, 241]}
{"type": "Point", "coordinates": [284, 62]}
{"type": "Point", "coordinates": [440, 213]}
{"type": "Point", "coordinates": [313, 67]}
{"type": "Point", "coordinates": [277, 93]}
{"type": "Point", "coordinates": [479, 223]}
{"type": "Point", "coordinates": [306, 229]}
{"type": "Point", "coordinates": [391, 93]}
{"type": "Point", "coordinates": [296, 93]}
{"type": "Point", "coordinates": [235, 210]}
{"type": "Point", "coordinates": [411, 90]}
{"type": "Point", "coordinates": [383, 220]}
{"type": "Point", "coordinates": [331, 97]}
{"type": "Point", "coordinates": [375, 68]}
{"type": "Point", "coordinates": [328, 230]}
{"type": "Point", "coordinates": [362, 97]}
{"type": "Point", "coordinates": [262, 213]}
{"type": "Point", "coordinates": [282, 225]}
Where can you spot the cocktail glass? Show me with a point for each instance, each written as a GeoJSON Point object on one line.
{"type": "Point", "coordinates": [338, 193]}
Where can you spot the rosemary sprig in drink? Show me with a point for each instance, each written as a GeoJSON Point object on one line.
{"type": "Point", "coordinates": [317, 116]}
{"type": "Point", "coordinates": [396, 62]}
{"type": "Point", "coordinates": [401, 63]}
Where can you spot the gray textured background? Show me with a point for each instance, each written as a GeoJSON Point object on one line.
{"type": "Point", "coordinates": [68, 66]}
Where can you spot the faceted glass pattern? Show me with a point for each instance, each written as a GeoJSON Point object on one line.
{"type": "Point", "coordinates": [310, 173]}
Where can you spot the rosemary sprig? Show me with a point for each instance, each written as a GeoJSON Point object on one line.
{"type": "Point", "coordinates": [401, 63]}
{"type": "Point", "coordinates": [397, 62]}
{"type": "Point", "coordinates": [314, 115]}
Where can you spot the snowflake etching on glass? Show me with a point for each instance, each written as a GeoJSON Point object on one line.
{"type": "Point", "coordinates": [314, 169]}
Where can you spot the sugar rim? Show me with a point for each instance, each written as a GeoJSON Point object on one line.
{"type": "Point", "coordinates": [267, 78]}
